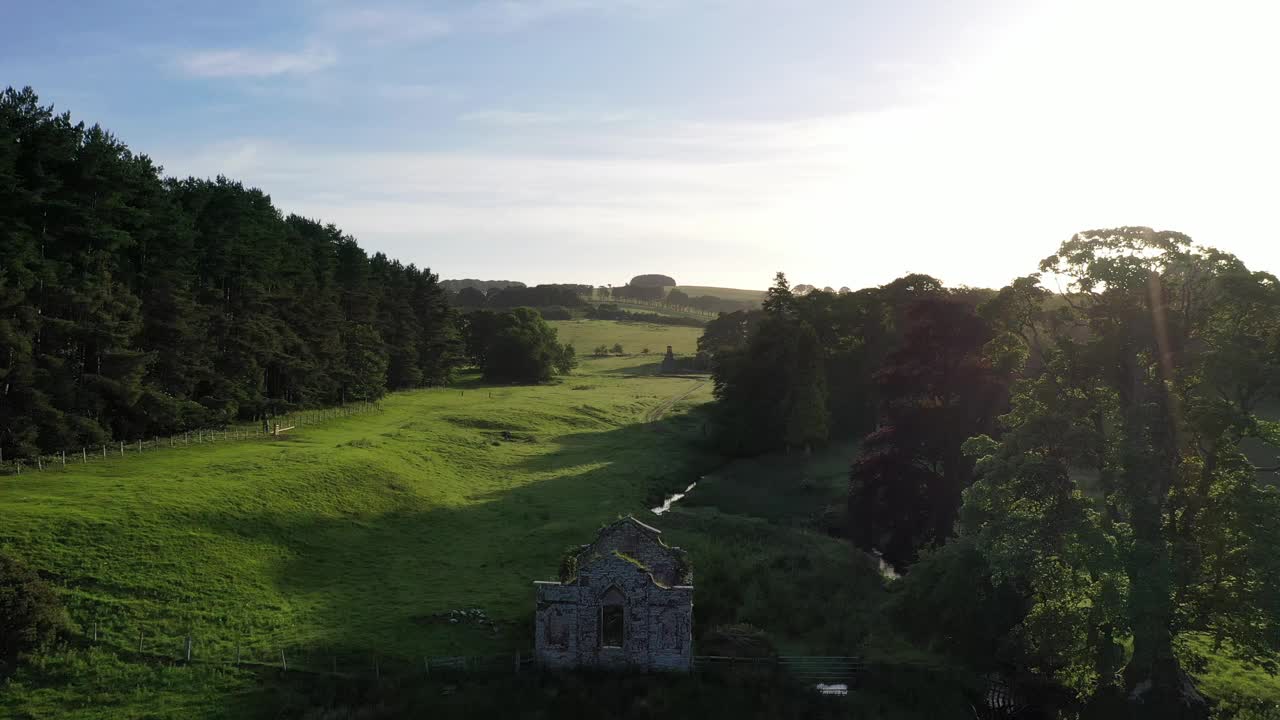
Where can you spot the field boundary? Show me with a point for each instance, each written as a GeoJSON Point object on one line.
{"type": "Point", "coordinates": [265, 429]}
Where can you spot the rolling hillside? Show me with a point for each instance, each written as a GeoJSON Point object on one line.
{"type": "Point", "coordinates": [722, 293]}
{"type": "Point", "coordinates": [358, 536]}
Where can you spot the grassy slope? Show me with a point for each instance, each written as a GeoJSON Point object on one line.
{"type": "Point", "coordinates": [587, 334]}
{"type": "Point", "coordinates": [348, 538]}
{"type": "Point", "coordinates": [640, 307]}
{"type": "Point", "coordinates": [722, 293]}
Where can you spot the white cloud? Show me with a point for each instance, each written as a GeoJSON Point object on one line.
{"type": "Point", "coordinates": [1080, 117]}
{"type": "Point", "coordinates": [404, 92]}
{"type": "Point", "coordinates": [514, 14]}
{"type": "Point", "coordinates": [525, 118]}
{"type": "Point", "coordinates": [244, 62]}
{"type": "Point", "coordinates": [386, 24]}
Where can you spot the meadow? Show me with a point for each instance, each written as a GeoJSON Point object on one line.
{"type": "Point", "coordinates": [722, 293]}
{"type": "Point", "coordinates": [352, 543]}
{"type": "Point", "coordinates": [357, 536]}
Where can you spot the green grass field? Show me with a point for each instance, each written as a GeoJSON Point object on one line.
{"type": "Point", "coordinates": [352, 537]}
{"type": "Point", "coordinates": [722, 293]}
{"type": "Point", "coordinates": [634, 337]}
{"type": "Point", "coordinates": [350, 541]}
{"type": "Point", "coordinates": [642, 307]}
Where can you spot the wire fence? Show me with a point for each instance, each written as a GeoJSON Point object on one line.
{"type": "Point", "coordinates": [261, 429]}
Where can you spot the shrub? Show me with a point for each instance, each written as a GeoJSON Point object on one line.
{"type": "Point", "coordinates": [616, 349]}
{"type": "Point", "coordinates": [556, 312]}
{"type": "Point", "coordinates": [740, 640]}
{"type": "Point", "coordinates": [30, 614]}
{"type": "Point", "coordinates": [600, 351]}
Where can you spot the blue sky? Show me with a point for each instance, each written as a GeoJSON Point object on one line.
{"type": "Point", "coordinates": [714, 140]}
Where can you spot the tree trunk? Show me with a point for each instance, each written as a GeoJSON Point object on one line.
{"type": "Point", "coordinates": [1156, 684]}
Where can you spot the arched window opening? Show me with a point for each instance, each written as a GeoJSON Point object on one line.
{"type": "Point", "coordinates": [613, 619]}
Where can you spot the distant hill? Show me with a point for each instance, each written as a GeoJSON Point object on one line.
{"type": "Point", "coordinates": [722, 293]}
{"type": "Point", "coordinates": [484, 286]}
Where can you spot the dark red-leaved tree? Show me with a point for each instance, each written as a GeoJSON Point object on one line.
{"type": "Point", "coordinates": [937, 389]}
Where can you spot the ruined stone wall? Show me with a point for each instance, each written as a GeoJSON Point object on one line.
{"type": "Point", "coordinates": [641, 544]}
{"type": "Point", "coordinates": [658, 622]}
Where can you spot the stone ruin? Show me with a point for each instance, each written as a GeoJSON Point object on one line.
{"type": "Point", "coordinates": [627, 602]}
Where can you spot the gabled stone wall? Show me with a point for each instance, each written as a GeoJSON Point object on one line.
{"type": "Point", "coordinates": [658, 620]}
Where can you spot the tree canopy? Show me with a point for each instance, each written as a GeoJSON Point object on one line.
{"type": "Point", "coordinates": [133, 305]}
{"type": "Point", "coordinates": [516, 346]}
{"type": "Point", "coordinates": [1063, 475]}
{"type": "Point", "coordinates": [661, 281]}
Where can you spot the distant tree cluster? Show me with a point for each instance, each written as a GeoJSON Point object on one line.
{"type": "Point", "coordinates": [515, 346]}
{"type": "Point", "coordinates": [609, 311]}
{"type": "Point", "coordinates": [709, 303]}
{"type": "Point", "coordinates": [651, 293]}
{"type": "Point", "coordinates": [569, 296]}
{"type": "Point", "coordinates": [556, 312]}
{"type": "Point", "coordinates": [132, 305]}
{"type": "Point", "coordinates": [484, 286]}
{"type": "Point", "coordinates": [675, 297]}
{"type": "Point", "coordinates": [662, 281]}
{"type": "Point", "coordinates": [780, 389]}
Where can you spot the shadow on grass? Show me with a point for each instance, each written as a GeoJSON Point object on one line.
{"type": "Point", "coordinates": [384, 584]}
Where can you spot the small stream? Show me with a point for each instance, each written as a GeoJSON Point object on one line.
{"type": "Point", "coordinates": [887, 571]}
{"type": "Point", "coordinates": [666, 504]}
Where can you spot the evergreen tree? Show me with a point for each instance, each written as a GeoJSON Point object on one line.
{"type": "Point", "coordinates": [132, 306]}
{"type": "Point", "coordinates": [807, 399]}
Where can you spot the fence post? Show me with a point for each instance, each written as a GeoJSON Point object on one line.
{"type": "Point", "coordinates": [95, 631]}
{"type": "Point", "coordinates": [139, 444]}
{"type": "Point", "coordinates": [64, 459]}
{"type": "Point", "coordinates": [39, 463]}
{"type": "Point", "coordinates": [283, 663]}
{"type": "Point", "coordinates": [84, 456]}
{"type": "Point", "coordinates": [140, 631]}
{"type": "Point", "coordinates": [121, 448]}
{"type": "Point", "coordinates": [188, 647]}
{"type": "Point", "coordinates": [104, 451]}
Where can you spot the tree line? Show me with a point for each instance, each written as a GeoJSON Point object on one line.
{"type": "Point", "coordinates": [1062, 476]}
{"type": "Point", "coordinates": [513, 296]}
{"type": "Point", "coordinates": [134, 305]}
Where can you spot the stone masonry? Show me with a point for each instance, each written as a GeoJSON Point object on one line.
{"type": "Point", "coordinates": [629, 605]}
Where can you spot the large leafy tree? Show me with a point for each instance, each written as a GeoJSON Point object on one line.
{"type": "Point", "coordinates": [1119, 497]}
{"type": "Point", "coordinates": [522, 347]}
